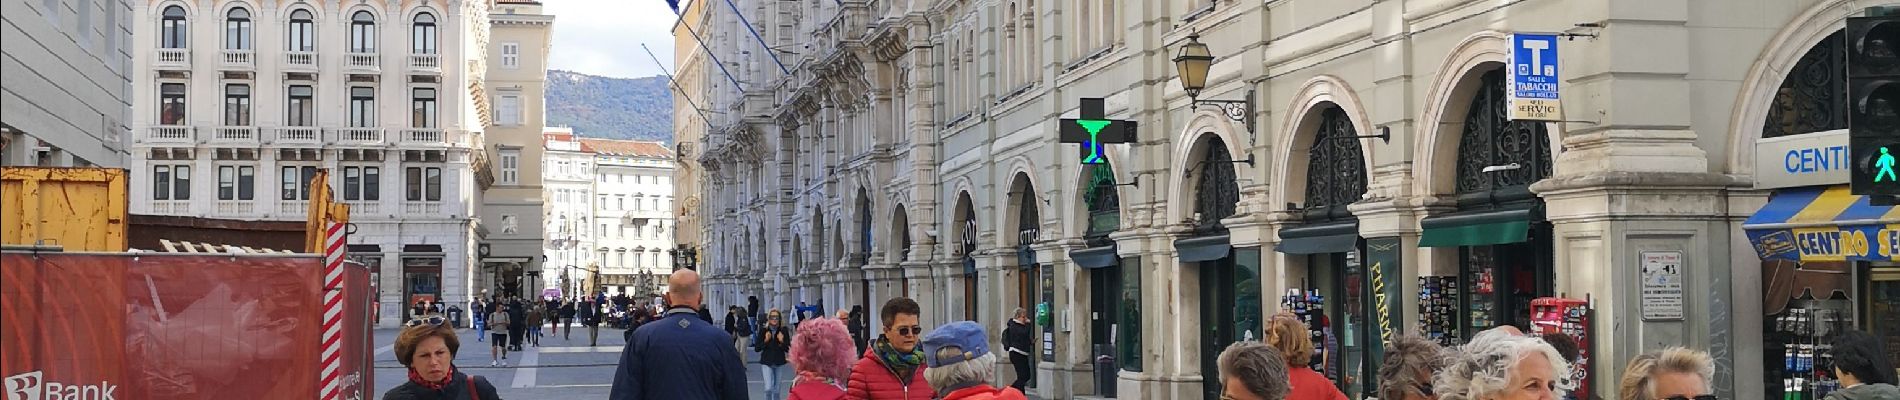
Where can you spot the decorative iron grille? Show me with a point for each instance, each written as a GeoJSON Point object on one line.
{"type": "Point", "coordinates": [1336, 168]}
{"type": "Point", "coordinates": [1216, 192]}
{"type": "Point", "coordinates": [1813, 97]}
{"type": "Point", "coordinates": [1490, 138]}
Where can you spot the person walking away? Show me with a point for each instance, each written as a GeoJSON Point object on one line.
{"type": "Point", "coordinates": [1290, 338]}
{"type": "Point", "coordinates": [774, 341]}
{"type": "Point", "coordinates": [732, 328]}
{"type": "Point", "coordinates": [534, 325]}
{"type": "Point", "coordinates": [821, 356]}
{"type": "Point", "coordinates": [517, 323]}
{"type": "Point", "coordinates": [860, 327]}
{"type": "Point", "coordinates": [567, 319]}
{"type": "Point", "coordinates": [590, 317]}
{"type": "Point", "coordinates": [1860, 360]}
{"type": "Point", "coordinates": [1017, 341]}
{"type": "Point", "coordinates": [498, 347]}
{"type": "Point", "coordinates": [961, 365]}
{"type": "Point", "coordinates": [893, 368]}
{"type": "Point", "coordinates": [428, 351]}
{"type": "Point", "coordinates": [1252, 371]}
{"type": "Point", "coordinates": [679, 357]}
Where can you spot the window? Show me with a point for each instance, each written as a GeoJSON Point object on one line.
{"type": "Point", "coordinates": [236, 182]}
{"type": "Point", "coordinates": [362, 107]}
{"type": "Point", "coordinates": [362, 32]}
{"type": "Point", "coordinates": [237, 105]}
{"type": "Point", "coordinates": [296, 181]}
{"type": "Point", "coordinates": [422, 34]}
{"type": "Point", "coordinates": [511, 55]}
{"type": "Point", "coordinates": [237, 29]}
{"type": "Point", "coordinates": [172, 33]}
{"type": "Point", "coordinates": [423, 103]}
{"type": "Point", "coordinates": [302, 35]}
{"type": "Point", "coordinates": [302, 109]}
{"type": "Point", "coordinates": [171, 104]}
{"type": "Point", "coordinates": [508, 110]}
{"type": "Point", "coordinates": [425, 184]}
{"type": "Point", "coordinates": [171, 182]}
{"type": "Point", "coordinates": [362, 183]}
{"type": "Point", "coordinates": [510, 166]}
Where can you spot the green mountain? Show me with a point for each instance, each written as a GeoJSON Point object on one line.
{"type": "Point", "coordinates": [611, 108]}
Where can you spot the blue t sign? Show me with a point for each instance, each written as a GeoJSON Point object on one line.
{"type": "Point", "coordinates": [1533, 77]}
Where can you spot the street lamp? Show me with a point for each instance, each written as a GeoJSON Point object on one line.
{"type": "Point", "coordinates": [1191, 65]}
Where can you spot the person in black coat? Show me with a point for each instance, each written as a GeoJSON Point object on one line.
{"type": "Point", "coordinates": [589, 314]}
{"type": "Point", "coordinates": [859, 327]}
{"type": "Point", "coordinates": [1017, 341]}
{"type": "Point", "coordinates": [774, 341]}
{"type": "Point", "coordinates": [567, 319]}
{"type": "Point", "coordinates": [428, 351]}
{"type": "Point", "coordinates": [517, 322]}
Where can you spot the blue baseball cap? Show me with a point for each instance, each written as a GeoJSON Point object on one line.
{"type": "Point", "coordinates": [955, 342]}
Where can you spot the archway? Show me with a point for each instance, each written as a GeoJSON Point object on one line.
{"type": "Point", "coordinates": [1113, 305]}
{"type": "Point", "coordinates": [1324, 250]}
{"type": "Point", "coordinates": [1034, 291]}
{"type": "Point", "coordinates": [1229, 280]}
{"type": "Point", "coordinates": [967, 240]}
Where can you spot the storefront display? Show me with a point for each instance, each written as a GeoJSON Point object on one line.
{"type": "Point", "coordinates": [1438, 309]}
{"type": "Point", "coordinates": [1799, 365]}
{"type": "Point", "coordinates": [1570, 317]}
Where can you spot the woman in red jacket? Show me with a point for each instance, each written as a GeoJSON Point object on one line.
{"type": "Point", "coordinates": [1286, 334]}
{"type": "Point", "coordinates": [893, 368]}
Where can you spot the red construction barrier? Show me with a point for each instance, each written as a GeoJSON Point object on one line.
{"type": "Point", "coordinates": [167, 326]}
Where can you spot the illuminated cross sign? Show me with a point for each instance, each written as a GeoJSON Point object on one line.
{"type": "Point", "coordinates": [1093, 131]}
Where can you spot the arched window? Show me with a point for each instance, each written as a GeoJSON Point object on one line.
{"type": "Point", "coordinates": [901, 231]}
{"type": "Point", "coordinates": [301, 35]}
{"type": "Point", "coordinates": [1215, 192]}
{"type": "Point", "coordinates": [1491, 138]}
{"type": "Point", "coordinates": [172, 32]}
{"type": "Point", "coordinates": [422, 34]}
{"type": "Point", "coordinates": [969, 257]}
{"type": "Point", "coordinates": [1104, 205]}
{"type": "Point", "coordinates": [1335, 169]}
{"type": "Point", "coordinates": [362, 32]}
{"type": "Point", "coordinates": [1813, 97]}
{"type": "Point", "coordinates": [237, 29]}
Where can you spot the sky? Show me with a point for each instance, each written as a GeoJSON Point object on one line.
{"type": "Point", "coordinates": [603, 37]}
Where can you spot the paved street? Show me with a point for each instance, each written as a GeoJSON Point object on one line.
{"type": "Point", "coordinates": [560, 368]}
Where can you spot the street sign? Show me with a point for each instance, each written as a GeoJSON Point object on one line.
{"type": "Point", "coordinates": [1094, 130]}
{"type": "Point", "coordinates": [1532, 73]}
{"type": "Point", "coordinates": [1873, 95]}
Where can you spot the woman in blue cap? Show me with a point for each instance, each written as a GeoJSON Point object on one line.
{"type": "Point", "coordinates": [961, 365]}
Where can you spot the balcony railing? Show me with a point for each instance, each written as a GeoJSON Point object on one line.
{"type": "Point", "coordinates": [173, 58]}
{"type": "Point", "coordinates": [234, 135]}
{"type": "Point", "coordinates": [240, 59]}
{"type": "Point", "coordinates": [298, 135]}
{"type": "Point", "coordinates": [367, 62]}
{"type": "Point", "coordinates": [293, 207]}
{"type": "Point", "coordinates": [423, 136]}
{"type": "Point", "coordinates": [171, 207]}
{"type": "Point", "coordinates": [360, 136]}
{"type": "Point", "coordinates": [236, 207]}
{"type": "Point", "coordinates": [364, 207]}
{"type": "Point", "coordinates": [421, 207]}
{"type": "Point", "coordinates": [300, 60]}
{"type": "Point", "coordinates": [169, 135]}
{"type": "Point", "coordinates": [425, 62]}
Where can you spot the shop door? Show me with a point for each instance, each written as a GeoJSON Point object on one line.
{"type": "Point", "coordinates": [1505, 278]}
{"type": "Point", "coordinates": [1230, 309]}
{"type": "Point", "coordinates": [1105, 290]}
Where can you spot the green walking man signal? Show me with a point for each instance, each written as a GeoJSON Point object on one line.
{"type": "Point", "coordinates": [1093, 131]}
{"type": "Point", "coordinates": [1885, 163]}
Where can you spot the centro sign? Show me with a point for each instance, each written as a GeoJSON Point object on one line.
{"type": "Point", "coordinates": [1814, 159]}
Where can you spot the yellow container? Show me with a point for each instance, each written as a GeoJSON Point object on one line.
{"type": "Point", "coordinates": [78, 209]}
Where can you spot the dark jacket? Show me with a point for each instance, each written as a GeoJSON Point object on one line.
{"type": "Point", "coordinates": [589, 313]}
{"type": "Point", "coordinates": [1871, 391]}
{"type": "Point", "coordinates": [679, 357]}
{"type": "Point", "coordinates": [457, 389]}
{"type": "Point", "coordinates": [567, 310]}
{"type": "Point", "coordinates": [732, 323]}
{"type": "Point", "coordinates": [772, 352]}
{"type": "Point", "coordinates": [1020, 336]}
{"type": "Point", "coordinates": [706, 316]}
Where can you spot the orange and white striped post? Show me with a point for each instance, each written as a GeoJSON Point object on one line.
{"type": "Point", "coordinates": [332, 309]}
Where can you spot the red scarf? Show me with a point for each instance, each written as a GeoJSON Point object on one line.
{"type": "Point", "coordinates": [417, 378]}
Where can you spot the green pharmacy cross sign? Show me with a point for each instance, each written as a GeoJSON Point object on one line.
{"type": "Point", "coordinates": [1093, 131]}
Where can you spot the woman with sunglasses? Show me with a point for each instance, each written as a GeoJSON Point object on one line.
{"type": "Point", "coordinates": [427, 348]}
{"type": "Point", "coordinates": [1498, 365]}
{"type": "Point", "coordinates": [893, 369]}
{"type": "Point", "coordinates": [774, 341]}
{"type": "Point", "coordinates": [1673, 373]}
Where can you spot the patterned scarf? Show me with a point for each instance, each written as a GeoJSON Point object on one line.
{"type": "Point", "coordinates": [808, 376]}
{"type": "Point", "coordinates": [903, 363]}
{"type": "Point", "coordinates": [417, 378]}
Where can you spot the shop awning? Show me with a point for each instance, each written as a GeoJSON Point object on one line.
{"type": "Point", "coordinates": [1095, 257]}
{"type": "Point", "coordinates": [1476, 228]}
{"type": "Point", "coordinates": [1207, 248]}
{"type": "Point", "coordinates": [1339, 237]}
{"type": "Point", "coordinates": [1827, 223]}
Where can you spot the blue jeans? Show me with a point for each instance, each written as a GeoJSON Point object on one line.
{"type": "Point", "coordinates": [481, 330]}
{"type": "Point", "coordinates": [771, 375]}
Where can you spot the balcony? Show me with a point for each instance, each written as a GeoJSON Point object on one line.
{"type": "Point", "coordinates": [360, 137]}
{"type": "Point", "coordinates": [365, 208]}
{"type": "Point", "coordinates": [240, 59]}
{"type": "Point", "coordinates": [421, 207]}
{"type": "Point", "coordinates": [295, 135]}
{"type": "Point", "coordinates": [425, 63]}
{"type": "Point", "coordinates": [171, 207]}
{"type": "Point", "coordinates": [172, 59]}
{"type": "Point", "coordinates": [370, 63]}
{"type": "Point", "coordinates": [169, 135]}
{"type": "Point", "coordinates": [424, 137]}
{"type": "Point", "coordinates": [234, 135]}
{"type": "Point", "coordinates": [293, 207]}
{"type": "Point", "coordinates": [236, 207]}
{"type": "Point", "coordinates": [300, 61]}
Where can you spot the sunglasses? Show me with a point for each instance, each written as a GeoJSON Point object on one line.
{"type": "Point", "coordinates": [434, 320]}
{"type": "Point", "coordinates": [1696, 397]}
{"type": "Point", "coordinates": [912, 330]}
{"type": "Point", "coordinates": [1424, 389]}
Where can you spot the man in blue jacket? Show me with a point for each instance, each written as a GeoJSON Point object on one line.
{"type": "Point", "coordinates": [680, 356]}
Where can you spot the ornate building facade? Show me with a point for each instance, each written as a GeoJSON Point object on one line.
{"type": "Point", "coordinates": [1339, 149]}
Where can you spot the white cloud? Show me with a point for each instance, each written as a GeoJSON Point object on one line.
{"type": "Point", "coordinates": [603, 37]}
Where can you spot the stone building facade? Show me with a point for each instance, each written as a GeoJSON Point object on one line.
{"type": "Point", "coordinates": [911, 149]}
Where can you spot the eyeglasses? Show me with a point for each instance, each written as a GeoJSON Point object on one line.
{"type": "Point", "coordinates": [1696, 397]}
{"type": "Point", "coordinates": [437, 320]}
{"type": "Point", "coordinates": [912, 330]}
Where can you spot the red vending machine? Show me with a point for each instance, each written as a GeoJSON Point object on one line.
{"type": "Point", "coordinates": [1570, 317]}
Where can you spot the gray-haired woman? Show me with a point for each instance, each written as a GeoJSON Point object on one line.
{"type": "Point", "coordinates": [1410, 363]}
{"type": "Point", "coordinates": [1500, 366]}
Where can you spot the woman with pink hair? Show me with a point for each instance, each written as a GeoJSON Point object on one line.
{"type": "Point", "coordinates": [822, 353]}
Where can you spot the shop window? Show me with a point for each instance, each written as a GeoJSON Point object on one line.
{"type": "Point", "coordinates": [1104, 205]}
{"type": "Point", "coordinates": [1128, 331]}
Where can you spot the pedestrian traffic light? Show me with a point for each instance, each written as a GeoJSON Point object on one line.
{"type": "Point", "coordinates": [1873, 93]}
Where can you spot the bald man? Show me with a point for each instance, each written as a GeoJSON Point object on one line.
{"type": "Point", "coordinates": [680, 356]}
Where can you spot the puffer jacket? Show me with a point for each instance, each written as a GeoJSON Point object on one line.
{"type": "Point", "coordinates": [985, 392]}
{"type": "Point", "coordinates": [1871, 391]}
{"type": "Point", "coordinates": [872, 380]}
{"type": "Point", "coordinates": [815, 391]}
